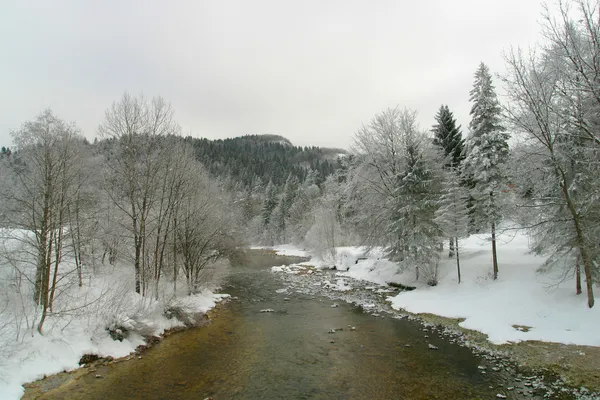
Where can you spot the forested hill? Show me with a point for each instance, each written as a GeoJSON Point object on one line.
{"type": "Point", "coordinates": [268, 157]}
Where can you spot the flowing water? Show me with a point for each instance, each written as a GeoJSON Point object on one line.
{"type": "Point", "coordinates": [291, 354]}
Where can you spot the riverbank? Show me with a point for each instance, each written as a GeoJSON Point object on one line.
{"type": "Point", "coordinates": [59, 383]}
{"type": "Point", "coordinates": [293, 353]}
{"type": "Point", "coordinates": [186, 313]}
{"type": "Point", "coordinates": [106, 319]}
{"type": "Point", "coordinates": [535, 319]}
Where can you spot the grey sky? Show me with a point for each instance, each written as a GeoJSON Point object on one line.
{"type": "Point", "coordinates": [312, 71]}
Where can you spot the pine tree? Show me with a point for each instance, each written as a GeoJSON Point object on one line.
{"type": "Point", "coordinates": [486, 151]}
{"type": "Point", "coordinates": [413, 212]}
{"type": "Point", "coordinates": [448, 136]}
{"type": "Point", "coordinates": [269, 204]}
{"type": "Point", "coordinates": [452, 216]}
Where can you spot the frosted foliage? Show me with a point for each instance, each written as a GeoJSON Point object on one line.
{"type": "Point", "coordinates": [452, 216]}
{"type": "Point", "coordinates": [486, 150]}
{"type": "Point", "coordinates": [395, 188]}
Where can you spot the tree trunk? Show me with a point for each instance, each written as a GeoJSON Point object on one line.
{"type": "Point", "coordinates": [580, 239]}
{"type": "Point", "coordinates": [494, 254]}
{"type": "Point", "coordinates": [457, 260]}
{"type": "Point", "coordinates": [578, 276]}
{"type": "Point", "coordinates": [451, 247]}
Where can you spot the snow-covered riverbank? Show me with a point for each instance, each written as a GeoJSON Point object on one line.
{"type": "Point", "coordinates": [104, 308]}
{"type": "Point", "coordinates": [521, 305]}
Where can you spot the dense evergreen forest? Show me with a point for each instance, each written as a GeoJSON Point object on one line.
{"type": "Point", "coordinates": [268, 157]}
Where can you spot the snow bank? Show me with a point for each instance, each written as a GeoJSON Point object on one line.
{"type": "Point", "coordinates": [285, 250]}
{"type": "Point", "coordinates": [106, 300]}
{"type": "Point", "coordinates": [520, 296]}
{"type": "Point", "coordinates": [521, 305]}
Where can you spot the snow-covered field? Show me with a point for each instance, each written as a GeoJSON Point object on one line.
{"type": "Point", "coordinates": [544, 303]}
{"type": "Point", "coordinates": [79, 324]}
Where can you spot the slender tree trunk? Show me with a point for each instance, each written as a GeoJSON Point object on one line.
{"type": "Point", "coordinates": [583, 251]}
{"type": "Point", "coordinates": [175, 255]}
{"type": "Point", "coordinates": [57, 256]}
{"type": "Point", "coordinates": [138, 278]}
{"type": "Point", "coordinates": [451, 247]}
{"type": "Point", "coordinates": [457, 260]}
{"type": "Point", "coordinates": [494, 254]}
{"type": "Point", "coordinates": [578, 276]}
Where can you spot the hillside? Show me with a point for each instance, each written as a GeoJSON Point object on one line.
{"type": "Point", "coordinates": [268, 157]}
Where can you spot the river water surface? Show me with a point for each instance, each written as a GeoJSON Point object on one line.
{"type": "Point", "coordinates": [290, 354]}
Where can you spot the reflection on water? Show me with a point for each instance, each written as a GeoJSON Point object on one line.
{"type": "Point", "coordinates": [289, 354]}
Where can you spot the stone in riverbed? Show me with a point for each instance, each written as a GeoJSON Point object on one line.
{"type": "Point", "coordinates": [432, 347]}
{"type": "Point", "coordinates": [267, 310]}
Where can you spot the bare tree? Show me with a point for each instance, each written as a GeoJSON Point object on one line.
{"type": "Point", "coordinates": [551, 117]}
{"type": "Point", "coordinates": [47, 182]}
{"type": "Point", "coordinates": [204, 230]}
{"type": "Point", "coordinates": [136, 126]}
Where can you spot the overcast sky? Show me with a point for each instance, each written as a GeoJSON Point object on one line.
{"type": "Point", "coordinates": [312, 71]}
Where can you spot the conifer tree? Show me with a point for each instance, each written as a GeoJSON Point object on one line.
{"type": "Point", "coordinates": [269, 204]}
{"type": "Point", "coordinates": [452, 216]}
{"type": "Point", "coordinates": [448, 136]}
{"type": "Point", "coordinates": [486, 152]}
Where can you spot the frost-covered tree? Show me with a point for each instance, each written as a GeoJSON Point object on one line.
{"type": "Point", "coordinates": [486, 153]}
{"type": "Point", "coordinates": [452, 216]}
{"type": "Point", "coordinates": [46, 183]}
{"type": "Point", "coordinates": [448, 137]}
{"type": "Point", "coordinates": [281, 214]}
{"type": "Point", "coordinates": [394, 189]}
{"type": "Point", "coordinates": [554, 107]}
{"type": "Point", "coordinates": [137, 126]}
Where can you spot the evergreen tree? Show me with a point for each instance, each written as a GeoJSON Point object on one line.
{"type": "Point", "coordinates": [448, 136]}
{"type": "Point", "coordinates": [486, 151]}
{"type": "Point", "coordinates": [452, 216]}
{"type": "Point", "coordinates": [282, 215]}
{"type": "Point", "coordinates": [413, 212]}
{"type": "Point", "coordinates": [269, 203]}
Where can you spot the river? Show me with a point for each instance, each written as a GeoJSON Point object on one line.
{"type": "Point", "coordinates": [291, 354]}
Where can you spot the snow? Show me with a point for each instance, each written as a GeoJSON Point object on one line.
{"type": "Point", "coordinates": [520, 296]}
{"type": "Point", "coordinates": [106, 300]}
{"type": "Point", "coordinates": [285, 250]}
{"type": "Point", "coordinates": [544, 303]}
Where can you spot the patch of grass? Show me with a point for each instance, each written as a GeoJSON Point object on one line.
{"type": "Point", "coordinates": [522, 328]}
{"type": "Point", "coordinates": [577, 365]}
{"type": "Point", "coordinates": [401, 286]}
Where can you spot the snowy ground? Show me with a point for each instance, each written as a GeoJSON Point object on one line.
{"type": "Point", "coordinates": [546, 304]}
{"type": "Point", "coordinates": [106, 300]}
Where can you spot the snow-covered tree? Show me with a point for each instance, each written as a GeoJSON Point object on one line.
{"type": "Point", "coordinates": [452, 216]}
{"type": "Point", "coordinates": [394, 190]}
{"type": "Point", "coordinates": [137, 127]}
{"type": "Point", "coordinates": [554, 107]}
{"type": "Point", "coordinates": [486, 153]}
{"type": "Point", "coordinates": [448, 137]}
{"type": "Point", "coordinates": [46, 183]}
{"type": "Point", "coordinates": [281, 214]}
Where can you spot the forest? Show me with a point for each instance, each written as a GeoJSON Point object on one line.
{"type": "Point", "coordinates": [163, 209]}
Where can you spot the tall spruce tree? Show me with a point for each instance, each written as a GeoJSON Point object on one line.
{"type": "Point", "coordinates": [452, 216]}
{"type": "Point", "coordinates": [448, 136]}
{"type": "Point", "coordinates": [486, 152]}
{"type": "Point", "coordinates": [269, 203]}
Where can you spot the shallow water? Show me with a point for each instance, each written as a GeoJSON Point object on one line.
{"type": "Point", "coordinates": [289, 354]}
